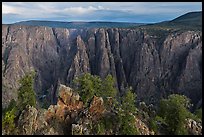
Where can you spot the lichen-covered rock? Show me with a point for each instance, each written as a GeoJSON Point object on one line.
{"type": "Point", "coordinates": [89, 116]}
{"type": "Point", "coordinates": [96, 107]}
{"type": "Point", "coordinates": [62, 115]}
{"type": "Point", "coordinates": [68, 101]}
{"type": "Point", "coordinates": [143, 128]}
{"type": "Point", "coordinates": [68, 98]}
{"type": "Point", "coordinates": [33, 122]}
{"type": "Point", "coordinates": [194, 128]}
{"type": "Point", "coordinates": [27, 121]}
{"type": "Point", "coordinates": [42, 127]}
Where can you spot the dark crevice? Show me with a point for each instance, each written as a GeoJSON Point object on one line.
{"type": "Point", "coordinates": [56, 39]}
{"type": "Point", "coordinates": [8, 30]}
{"type": "Point", "coordinates": [5, 57]}
{"type": "Point", "coordinates": [73, 50]}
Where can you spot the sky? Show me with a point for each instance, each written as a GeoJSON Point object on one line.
{"type": "Point", "coordinates": [138, 12]}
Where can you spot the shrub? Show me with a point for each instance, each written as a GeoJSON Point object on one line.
{"type": "Point", "coordinates": [100, 128]}
{"type": "Point", "coordinates": [89, 85]}
{"type": "Point", "coordinates": [126, 119]}
{"type": "Point", "coordinates": [108, 88]}
{"type": "Point", "coordinates": [26, 94]}
{"type": "Point", "coordinates": [11, 105]}
{"type": "Point", "coordinates": [198, 113]}
{"type": "Point", "coordinates": [153, 125]}
{"type": "Point", "coordinates": [8, 123]}
{"type": "Point", "coordinates": [174, 112]}
{"type": "Point", "coordinates": [128, 126]}
{"type": "Point", "coordinates": [9, 115]}
{"type": "Point", "coordinates": [128, 102]}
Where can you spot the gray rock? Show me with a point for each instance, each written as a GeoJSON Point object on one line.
{"type": "Point", "coordinates": [27, 120]}
{"type": "Point", "coordinates": [153, 67]}
{"type": "Point", "coordinates": [194, 128]}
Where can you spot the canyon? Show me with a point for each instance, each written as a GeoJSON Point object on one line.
{"type": "Point", "coordinates": [154, 62]}
{"type": "Point", "coordinates": [153, 68]}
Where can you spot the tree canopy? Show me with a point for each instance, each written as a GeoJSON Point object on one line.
{"type": "Point", "coordinates": [89, 85]}
{"type": "Point", "coordinates": [174, 111]}
{"type": "Point", "coordinates": [26, 93]}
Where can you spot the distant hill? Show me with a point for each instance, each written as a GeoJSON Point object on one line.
{"type": "Point", "coordinates": [57, 24]}
{"type": "Point", "coordinates": [191, 21]}
{"type": "Point", "coordinates": [188, 21]}
{"type": "Point", "coordinates": [191, 18]}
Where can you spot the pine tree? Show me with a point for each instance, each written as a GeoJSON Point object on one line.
{"type": "Point", "coordinates": [26, 95]}
{"type": "Point", "coordinates": [174, 111]}
{"type": "Point", "coordinates": [126, 113]}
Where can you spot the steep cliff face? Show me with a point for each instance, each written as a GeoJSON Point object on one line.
{"type": "Point", "coordinates": [154, 67]}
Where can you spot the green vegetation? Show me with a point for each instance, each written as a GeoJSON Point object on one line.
{"type": "Point", "coordinates": [128, 126]}
{"type": "Point", "coordinates": [26, 94]}
{"type": "Point", "coordinates": [99, 128]}
{"type": "Point", "coordinates": [170, 118]}
{"type": "Point", "coordinates": [126, 119]}
{"type": "Point", "coordinates": [153, 124]}
{"type": "Point", "coordinates": [198, 113]}
{"type": "Point", "coordinates": [108, 88]}
{"type": "Point", "coordinates": [174, 111]}
{"type": "Point", "coordinates": [188, 22]}
{"type": "Point", "coordinates": [8, 119]}
{"type": "Point", "coordinates": [189, 19]}
{"type": "Point", "coordinates": [128, 102]}
{"type": "Point", "coordinates": [89, 85]}
{"type": "Point", "coordinates": [123, 122]}
{"type": "Point", "coordinates": [11, 105]}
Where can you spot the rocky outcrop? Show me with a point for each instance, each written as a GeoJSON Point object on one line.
{"type": "Point", "coordinates": [32, 122]}
{"type": "Point", "coordinates": [96, 107]}
{"type": "Point", "coordinates": [56, 120]}
{"type": "Point", "coordinates": [61, 119]}
{"type": "Point", "coordinates": [62, 115]}
{"type": "Point", "coordinates": [154, 66]}
{"type": "Point", "coordinates": [69, 116]}
{"type": "Point", "coordinates": [143, 128]}
{"type": "Point", "coordinates": [194, 128]}
{"type": "Point", "coordinates": [27, 120]}
{"type": "Point", "coordinates": [88, 117]}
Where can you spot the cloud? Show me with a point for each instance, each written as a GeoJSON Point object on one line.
{"type": "Point", "coordinates": [89, 11]}
{"type": "Point", "coordinates": [80, 10]}
{"type": "Point", "coordinates": [9, 9]}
